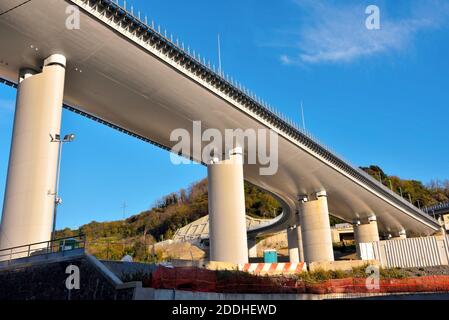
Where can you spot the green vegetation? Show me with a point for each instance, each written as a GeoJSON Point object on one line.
{"type": "Point", "coordinates": [356, 272]}
{"type": "Point", "coordinates": [320, 275]}
{"type": "Point", "coordinates": [334, 220]}
{"type": "Point", "coordinates": [260, 204]}
{"type": "Point", "coordinates": [420, 195]}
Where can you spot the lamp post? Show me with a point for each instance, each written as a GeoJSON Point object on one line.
{"type": "Point", "coordinates": [57, 138]}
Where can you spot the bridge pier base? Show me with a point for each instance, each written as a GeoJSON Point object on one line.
{"type": "Point", "coordinates": [315, 229]}
{"type": "Point", "coordinates": [365, 233]}
{"type": "Point", "coordinates": [400, 235]}
{"type": "Point", "coordinates": [29, 196]}
{"type": "Point", "coordinates": [227, 216]}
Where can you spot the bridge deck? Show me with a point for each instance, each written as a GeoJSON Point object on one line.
{"type": "Point", "coordinates": [141, 85]}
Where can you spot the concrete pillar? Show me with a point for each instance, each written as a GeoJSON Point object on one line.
{"type": "Point", "coordinates": [315, 229]}
{"type": "Point", "coordinates": [227, 216]}
{"type": "Point", "coordinates": [252, 248]}
{"type": "Point", "coordinates": [294, 238]}
{"type": "Point", "coordinates": [365, 233]}
{"type": "Point", "coordinates": [29, 196]}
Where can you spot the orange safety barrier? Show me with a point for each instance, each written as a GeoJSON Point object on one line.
{"type": "Point", "coordinates": [359, 285]}
{"type": "Point", "coordinates": [184, 278]}
{"type": "Point", "coordinates": [202, 280]}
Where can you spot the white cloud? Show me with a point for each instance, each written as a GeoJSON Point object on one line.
{"type": "Point", "coordinates": [335, 33]}
{"type": "Point", "coordinates": [285, 59]}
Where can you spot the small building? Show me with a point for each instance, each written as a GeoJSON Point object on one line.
{"type": "Point", "coordinates": [342, 232]}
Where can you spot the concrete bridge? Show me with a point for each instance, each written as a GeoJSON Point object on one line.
{"type": "Point", "coordinates": [438, 209]}
{"type": "Point", "coordinates": [120, 71]}
{"type": "Point", "coordinates": [440, 212]}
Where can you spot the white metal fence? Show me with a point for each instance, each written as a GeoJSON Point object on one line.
{"type": "Point", "coordinates": [408, 253]}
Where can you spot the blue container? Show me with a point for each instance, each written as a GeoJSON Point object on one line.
{"type": "Point", "coordinates": [270, 256]}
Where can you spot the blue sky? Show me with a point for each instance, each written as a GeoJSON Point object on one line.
{"type": "Point", "coordinates": [375, 96]}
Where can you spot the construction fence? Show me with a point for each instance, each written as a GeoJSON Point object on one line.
{"type": "Point", "coordinates": [408, 253]}
{"type": "Point", "coordinates": [202, 280]}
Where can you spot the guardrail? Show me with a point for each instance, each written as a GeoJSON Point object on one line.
{"type": "Point", "coordinates": [436, 208]}
{"type": "Point", "coordinates": [61, 245]}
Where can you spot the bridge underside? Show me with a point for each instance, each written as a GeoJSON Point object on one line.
{"type": "Point", "coordinates": [115, 79]}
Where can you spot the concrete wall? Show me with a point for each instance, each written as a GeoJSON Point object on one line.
{"type": "Point", "coordinates": [124, 270]}
{"type": "Point", "coordinates": [152, 294]}
{"type": "Point", "coordinates": [46, 281]}
{"type": "Point", "coordinates": [164, 294]}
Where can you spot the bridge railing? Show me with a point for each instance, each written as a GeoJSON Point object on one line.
{"type": "Point", "coordinates": [439, 206]}
{"type": "Point", "coordinates": [45, 248]}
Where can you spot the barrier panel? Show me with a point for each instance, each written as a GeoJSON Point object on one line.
{"type": "Point", "coordinates": [273, 268]}
{"type": "Point", "coordinates": [412, 252]}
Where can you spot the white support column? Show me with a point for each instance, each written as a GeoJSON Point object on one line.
{"type": "Point", "coordinates": [227, 216]}
{"type": "Point", "coordinates": [299, 235]}
{"type": "Point", "coordinates": [29, 196]}
{"type": "Point", "coordinates": [293, 244]}
{"type": "Point", "coordinates": [365, 233]}
{"type": "Point", "coordinates": [252, 248]}
{"type": "Point", "coordinates": [315, 229]}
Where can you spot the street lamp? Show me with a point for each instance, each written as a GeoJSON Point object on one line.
{"type": "Point", "coordinates": [57, 138]}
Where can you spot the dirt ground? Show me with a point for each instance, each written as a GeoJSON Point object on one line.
{"type": "Point", "coordinates": [182, 251]}
{"type": "Point", "coordinates": [427, 271]}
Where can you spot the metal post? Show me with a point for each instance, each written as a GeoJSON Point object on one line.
{"type": "Point", "coordinates": [55, 209]}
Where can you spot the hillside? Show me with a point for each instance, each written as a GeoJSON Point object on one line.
{"type": "Point", "coordinates": [415, 191]}
{"type": "Point", "coordinates": [132, 236]}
